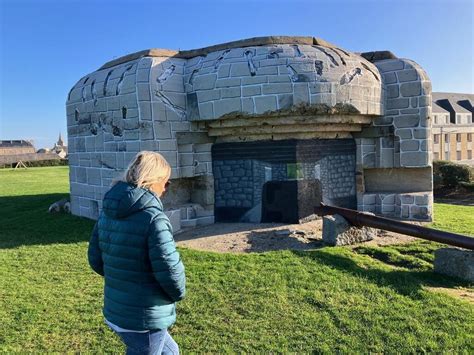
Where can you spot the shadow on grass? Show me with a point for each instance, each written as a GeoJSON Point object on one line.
{"type": "Point", "coordinates": [25, 220]}
{"type": "Point", "coordinates": [454, 196]}
{"type": "Point", "coordinates": [410, 259]}
{"type": "Point", "coordinates": [404, 282]}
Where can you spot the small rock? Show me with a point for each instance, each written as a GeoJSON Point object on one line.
{"type": "Point", "coordinates": [338, 231]}
{"type": "Point", "coordinates": [455, 262]}
{"type": "Point", "coordinates": [282, 233]}
{"type": "Point", "coordinates": [62, 204]}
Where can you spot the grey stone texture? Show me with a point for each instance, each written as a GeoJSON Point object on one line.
{"type": "Point", "coordinates": [455, 262]}
{"type": "Point", "coordinates": [337, 231]}
{"type": "Point", "coordinates": [143, 103]}
{"type": "Point", "coordinates": [234, 183]}
{"type": "Point", "coordinates": [416, 206]}
{"type": "Point", "coordinates": [405, 146]}
{"type": "Point", "coordinates": [273, 76]}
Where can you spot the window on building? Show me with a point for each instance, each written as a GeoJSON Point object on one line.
{"type": "Point", "coordinates": [446, 119]}
{"type": "Point", "coordinates": [435, 119]}
{"type": "Point", "coordinates": [469, 154]}
{"type": "Point", "coordinates": [268, 173]}
{"type": "Point", "coordinates": [458, 118]}
{"type": "Point", "coordinates": [294, 171]}
{"type": "Point", "coordinates": [458, 155]}
{"type": "Point", "coordinates": [446, 138]}
{"type": "Point", "coordinates": [458, 137]}
{"type": "Point", "coordinates": [436, 138]}
{"type": "Point", "coordinates": [469, 137]}
{"type": "Point", "coordinates": [435, 156]}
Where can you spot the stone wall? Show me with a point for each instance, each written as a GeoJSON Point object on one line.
{"type": "Point", "coordinates": [102, 113]}
{"type": "Point", "coordinates": [414, 206]}
{"type": "Point", "coordinates": [338, 180]}
{"type": "Point", "coordinates": [407, 93]}
{"type": "Point", "coordinates": [234, 183]}
{"type": "Point", "coordinates": [256, 80]}
{"type": "Point", "coordinates": [116, 112]}
{"type": "Point", "coordinates": [401, 138]}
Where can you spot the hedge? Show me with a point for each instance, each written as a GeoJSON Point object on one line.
{"type": "Point", "coordinates": [448, 174]}
{"type": "Point", "coordinates": [39, 163]}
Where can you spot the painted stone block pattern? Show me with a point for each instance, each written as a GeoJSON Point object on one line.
{"type": "Point", "coordinates": [167, 103]}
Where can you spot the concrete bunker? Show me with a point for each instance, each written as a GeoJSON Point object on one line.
{"type": "Point", "coordinates": [350, 129]}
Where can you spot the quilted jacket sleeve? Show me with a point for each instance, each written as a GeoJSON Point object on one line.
{"type": "Point", "coordinates": [94, 254]}
{"type": "Point", "coordinates": [166, 263]}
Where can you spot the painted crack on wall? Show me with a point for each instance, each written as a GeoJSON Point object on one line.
{"type": "Point", "coordinates": [340, 56]}
{"type": "Point", "coordinates": [373, 73]}
{"type": "Point", "coordinates": [94, 93]}
{"type": "Point", "coordinates": [249, 54]}
{"type": "Point", "coordinates": [298, 52]}
{"type": "Point", "coordinates": [104, 124]}
{"type": "Point", "coordinates": [166, 74]}
{"type": "Point", "coordinates": [220, 59]}
{"type": "Point", "coordinates": [275, 53]}
{"type": "Point", "coordinates": [329, 55]}
{"type": "Point", "coordinates": [106, 82]}
{"type": "Point", "coordinates": [195, 71]}
{"type": "Point", "coordinates": [180, 111]}
{"type": "Point", "coordinates": [120, 83]}
{"type": "Point", "coordinates": [349, 76]}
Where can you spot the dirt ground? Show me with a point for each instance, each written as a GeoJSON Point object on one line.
{"type": "Point", "coordinates": [249, 237]}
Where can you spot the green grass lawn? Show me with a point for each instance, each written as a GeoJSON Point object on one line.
{"type": "Point", "coordinates": [328, 300]}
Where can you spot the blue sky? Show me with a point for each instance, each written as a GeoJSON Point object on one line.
{"type": "Point", "coordinates": [46, 46]}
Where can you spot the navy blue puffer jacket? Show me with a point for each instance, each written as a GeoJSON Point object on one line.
{"type": "Point", "coordinates": [132, 246]}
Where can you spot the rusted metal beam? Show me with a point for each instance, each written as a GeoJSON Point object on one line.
{"type": "Point", "coordinates": [360, 219]}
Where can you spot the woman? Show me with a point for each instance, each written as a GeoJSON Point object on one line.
{"type": "Point", "coordinates": [132, 246]}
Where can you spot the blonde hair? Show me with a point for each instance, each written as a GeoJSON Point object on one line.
{"type": "Point", "coordinates": [146, 169]}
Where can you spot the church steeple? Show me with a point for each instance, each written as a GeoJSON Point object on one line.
{"type": "Point", "coordinates": [60, 140]}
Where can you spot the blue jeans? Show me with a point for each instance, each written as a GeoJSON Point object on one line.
{"type": "Point", "coordinates": [152, 342]}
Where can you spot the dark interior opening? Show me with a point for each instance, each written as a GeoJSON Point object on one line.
{"type": "Point", "coordinates": [289, 201]}
{"type": "Point", "coordinates": [280, 202]}
{"type": "Point", "coordinates": [282, 181]}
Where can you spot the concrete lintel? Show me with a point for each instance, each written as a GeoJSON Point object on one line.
{"type": "Point", "coordinates": [375, 132]}
{"type": "Point", "coordinates": [398, 180]}
{"type": "Point", "coordinates": [282, 120]}
{"type": "Point", "coordinates": [193, 138]}
{"type": "Point", "coordinates": [284, 129]}
{"type": "Point", "coordinates": [277, 137]}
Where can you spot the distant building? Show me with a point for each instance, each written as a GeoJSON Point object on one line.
{"type": "Point", "coordinates": [14, 147]}
{"type": "Point", "coordinates": [13, 152]}
{"type": "Point", "coordinates": [60, 148]}
{"type": "Point", "coordinates": [453, 127]}
{"type": "Point", "coordinates": [43, 150]}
